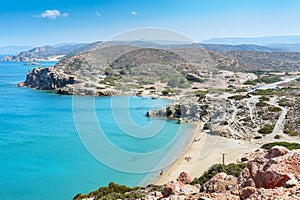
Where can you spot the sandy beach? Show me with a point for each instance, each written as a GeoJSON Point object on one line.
{"type": "Point", "coordinates": [204, 151]}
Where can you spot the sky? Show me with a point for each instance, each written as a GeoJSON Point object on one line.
{"type": "Point", "coordinates": [41, 22]}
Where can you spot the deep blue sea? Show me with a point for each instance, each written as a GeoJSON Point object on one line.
{"type": "Point", "coordinates": [42, 155]}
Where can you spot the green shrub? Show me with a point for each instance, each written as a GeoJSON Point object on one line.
{"type": "Point", "coordinates": [108, 71]}
{"type": "Point", "coordinates": [288, 145]}
{"type": "Point", "coordinates": [258, 137]}
{"type": "Point", "coordinates": [192, 78]}
{"type": "Point", "coordinates": [231, 169]}
{"type": "Point", "coordinates": [200, 93]}
{"type": "Point", "coordinates": [237, 97]}
{"type": "Point", "coordinates": [274, 109]}
{"type": "Point", "coordinates": [277, 137]}
{"type": "Point", "coordinates": [290, 132]}
{"type": "Point", "coordinates": [108, 81]}
{"type": "Point", "coordinates": [264, 98]}
{"type": "Point", "coordinates": [261, 104]}
{"type": "Point", "coordinates": [267, 129]}
{"type": "Point", "coordinates": [244, 159]}
{"type": "Point", "coordinates": [269, 79]}
{"type": "Point", "coordinates": [250, 82]}
{"type": "Point", "coordinates": [284, 103]}
{"type": "Point", "coordinates": [264, 92]}
{"type": "Point", "coordinates": [167, 91]}
{"type": "Point", "coordinates": [112, 191]}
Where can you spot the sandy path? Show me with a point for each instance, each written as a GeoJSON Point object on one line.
{"type": "Point", "coordinates": [206, 152]}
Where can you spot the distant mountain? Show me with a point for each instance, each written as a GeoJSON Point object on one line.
{"type": "Point", "coordinates": [46, 53]}
{"type": "Point", "coordinates": [14, 49]}
{"type": "Point", "coordinates": [288, 47]}
{"type": "Point", "coordinates": [264, 41]}
{"type": "Point", "coordinates": [67, 50]}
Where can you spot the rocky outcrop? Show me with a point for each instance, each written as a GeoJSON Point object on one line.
{"type": "Point", "coordinates": [282, 167]}
{"type": "Point", "coordinates": [186, 109]}
{"type": "Point", "coordinates": [219, 183]}
{"type": "Point", "coordinates": [48, 79]}
{"type": "Point", "coordinates": [184, 178]}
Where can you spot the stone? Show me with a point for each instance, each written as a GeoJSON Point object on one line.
{"type": "Point", "coordinates": [276, 151]}
{"type": "Point", "coordinates": [247, 192]}
{"type": "Point", "coordinates": [221, 182]}
{"type": "Point", "coordinates": [168, 190]}
{"type": "Point", "coordinates": [184, 178]}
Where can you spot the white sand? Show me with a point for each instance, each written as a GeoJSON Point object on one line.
{"type": "Point", "coordinates": [206, 152]}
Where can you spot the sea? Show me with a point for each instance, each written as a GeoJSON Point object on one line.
{"type": "Point", "coordinates": [46, 151]}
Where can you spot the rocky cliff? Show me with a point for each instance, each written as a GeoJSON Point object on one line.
{"type": "Point", "coordinates": [47, 79]}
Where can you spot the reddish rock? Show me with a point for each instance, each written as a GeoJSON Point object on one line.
{"type": "Point", "coordinates": [221, 182]}
{"type": "Point", "coordinates": [282, 166]}
{"type": "Point", "coordinates": [276, 151]}
{"type": "Point", "coordinates": [168, 190]}
{"type": "Point", "coordinates": [184, 178]}
{"type": "Point", "coordinates": [247, 192]}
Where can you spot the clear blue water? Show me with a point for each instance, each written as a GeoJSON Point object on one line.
{"type": "Point", "coordinates": [41, 154]}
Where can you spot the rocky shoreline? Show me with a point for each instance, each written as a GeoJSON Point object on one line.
{"type": "Point", "coordinates": [272, 174]}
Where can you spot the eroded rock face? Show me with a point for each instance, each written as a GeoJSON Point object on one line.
{"type": "Point", "coordinates": [186, 109]}
{"type": "Point", "coordinates": [276, 171]}
{"type": "Point", "coordinates": [221, 182]}
{"type": "Point", "coordinates": [47, 79]}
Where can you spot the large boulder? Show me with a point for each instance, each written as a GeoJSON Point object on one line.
{"type": "Point", "coordinates": [276, 151]}
{"type": "Point", "coordinates": [278, 168]}
{"type": "Point", "coordinates": [221, 182]}
{"type": "Point", "coordinates": [184, 178]}
{"type": "Point", "coordinates": [179, 188]}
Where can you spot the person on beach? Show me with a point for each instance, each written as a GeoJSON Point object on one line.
{"type": "Point", "coordinates": [161, 172]}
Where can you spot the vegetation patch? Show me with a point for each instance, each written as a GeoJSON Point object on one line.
{"type": "Point", "coordinates": [261, 104]}
{"type": "Point", "coordinates": [167, 91]}
{"type": "Point", "coordinates": [274, 109]}
{"type": "Point", "coordinates": [231, 169]}
{"type": "Point", "coordinates": [264, 98]}
{"type": "Point", "coordinates": [290, 132]}
{"type": "Point", "coordinates": [250, 82]}
{"type": "Point", "coordinates": [112, 191]}
{"type": "Point", "coordinates": [237, 97]}
{"type": "Point", "coordinates": [288, 145]}
{"type": "Point", "coordinates": [267, 129]}
{"type": "Point", "coordinates": [269, 79]}
{"type": "Point", "coordinates": [200, 93]}
{"type": "Point", "coordinates": [192, 78]}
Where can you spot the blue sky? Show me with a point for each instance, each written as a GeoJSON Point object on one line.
{"type": "Point", "coordinates": [40, 22]}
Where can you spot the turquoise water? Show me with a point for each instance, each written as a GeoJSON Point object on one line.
{"type": "Point", "coordinates": [41, 154]}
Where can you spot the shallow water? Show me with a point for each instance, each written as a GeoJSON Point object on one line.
{"type": "Point", "coordinates": [42, 155]}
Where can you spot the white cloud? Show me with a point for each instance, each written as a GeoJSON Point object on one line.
{"type": "Point", "coordinates": [134, 13]}
{"type": "Point", "coordinates": [52, 14]}
{"type": "Point", "coordinates": [98, 14]}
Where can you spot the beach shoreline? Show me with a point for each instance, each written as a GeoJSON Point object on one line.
{"type": "Point", "coordinates": [203, 151]}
